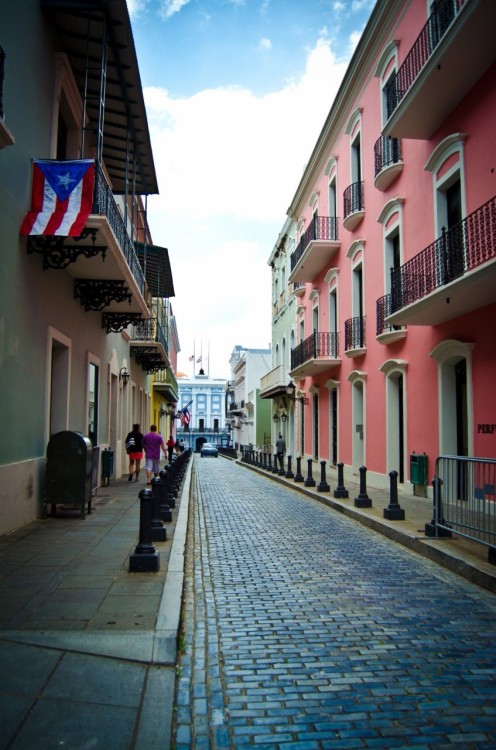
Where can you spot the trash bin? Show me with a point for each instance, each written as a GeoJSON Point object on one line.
{"type": "Point", "coordinates": [68, 471]}
{"type": "Point", "coordinates": [418, 469]}
{"type": "Point", "coordinates": [107, 463]}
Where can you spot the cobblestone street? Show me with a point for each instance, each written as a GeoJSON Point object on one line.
{"type": "Point", "coordinates": [303, 629]}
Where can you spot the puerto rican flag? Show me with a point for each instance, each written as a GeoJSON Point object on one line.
{"type": "Point", "coordinates": [62, 197]}
{"type": "Point", "coordinates": [184, 414]}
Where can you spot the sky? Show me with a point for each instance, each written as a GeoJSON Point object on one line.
{"type": "Point", "coordinates": [237, 92]}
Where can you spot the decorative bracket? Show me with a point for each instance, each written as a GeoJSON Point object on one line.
{"type": "Point", "coordinates": [97, 294]}
{"type": "Point", "coordinates": [58, 255]}
{"type": "Point", "coordinates": [117, 322]}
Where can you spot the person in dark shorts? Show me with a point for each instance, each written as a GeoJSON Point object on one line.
{"type": "Point", "coordinates": [134, 449]}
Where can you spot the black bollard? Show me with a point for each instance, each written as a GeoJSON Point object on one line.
{"type": "Point", "coordinates": [394, 512]}
{"type": "Point", "coordinates": [275, 468]}
{"type": "Point", "coordinates": [309, 481]}
{"type": "Point", "coordinates": [432, 529]}
{"type": "Point", "coordinates": [289, 474]}
{"type": "Point", "coordinates": [281, 471]}
{"type": "Point", "coordinates": [298, 476]}
{"type": "Point", "coordinates": [323, 486]}
{"type": "Point", "coordinates": [341, 490]}
{"type": "Point", "coordinates": [269, 462]}
{"type": "Point", "coordinates": [159, 534]}
{"type": "Point", "coordinates": [363, 500]}
{"type": "Point", "coordinates": [165, 511]}
{"type": "Point", "coordinates": [145, 558]}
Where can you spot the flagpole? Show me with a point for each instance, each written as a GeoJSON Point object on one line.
{"type": "Point", "coordinates": [194, 356]}
{"type": "Point", "coordinates": [208, 359]}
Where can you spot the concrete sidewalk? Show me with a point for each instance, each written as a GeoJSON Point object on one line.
{"type": "Point", "coordinates": [87, 649]}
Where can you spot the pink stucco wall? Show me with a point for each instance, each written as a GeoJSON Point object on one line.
{"type": "Point", "coordinates": [474, 116]}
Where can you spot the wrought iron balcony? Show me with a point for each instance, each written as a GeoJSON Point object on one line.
{"type": "Point", "coordinates": [452, 51]}
{"type": "Point", "coordinates": [102, 260]}
{"type": "Point", "coordinates": [353, 205]}
{"type": "Point", "coordinates": [316, 248]}
{"type": "Point", "coordinates": [165, 383]}
{"type": "Point", "coordinates": [354, 336]}
{"type": "Point", "coordinates": [385, 333]}
{"type": "Point", "coordinates": [388, 161]}
{"type": "Point", "coordinates": [450, 277]}
{"type": "Point", "coordinates": [315, 354]}
{"type": "Point", "coordinates": [149, 345]}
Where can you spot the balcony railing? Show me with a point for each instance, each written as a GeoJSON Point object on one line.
{"type": "Point", "coordinates": [317, 346]}
{"type": "Point", "coordinates": [104, 205]}
{"type": "Point", "coordinates": [444, 12]}
{"type": "Point", "coordinates": [354, 333]}
{"type": "Point", "coordinates": [353, 198]}
{"type": "Point", "coordinates": [150, 330]}
{"type": "Point", "coordinates": [320, 228]}
{"type": "Point", "coordinates": [387, 151]}
{"type": "Point", "coordinates": [461, 249]}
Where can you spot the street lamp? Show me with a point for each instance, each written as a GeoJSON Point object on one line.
{"type": "Point", "coordinates": [275, 418]}
{"type": "Point", "coordinates": [124, 375]}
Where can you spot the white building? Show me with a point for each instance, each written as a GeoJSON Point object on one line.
{"type": "Point", "coordinates": [204, 397]}
{"type": "Point", "coordinates": [248, 415]}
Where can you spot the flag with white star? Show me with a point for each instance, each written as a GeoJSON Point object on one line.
{"type": "Point", "coordinates": [62, 197]}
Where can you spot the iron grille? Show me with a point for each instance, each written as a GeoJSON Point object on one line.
{"type": "Point", "coordinates": [104, 205]}
{"type": "Point", "coordinates": [320, 228]}
{"type": "Point", "coordinates": [316, 346]}
{"type": "Point", "coordinates": [465, 246]}
{"type": "Point", "coordinates": [387, 151]}
{"type": "Point", "coordinates": [354, 333]}
{"type": "Point", "coordinates": [443, 13]}
{"type": "Point", "coordinates": [353, 198]}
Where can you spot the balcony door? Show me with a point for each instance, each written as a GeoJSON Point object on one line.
{"type": "Point", "coordinates": [333, 422]}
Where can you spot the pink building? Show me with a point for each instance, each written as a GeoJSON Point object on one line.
{"type": "Point", "coordinates": [394, 343]}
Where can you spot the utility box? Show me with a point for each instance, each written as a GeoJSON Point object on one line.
{"type": "Point", "coordinates": [418, 468]}
{"type": "Point", "coordinates": [107, 463]}
{"type": "Point", "coordinates": [68, 471]}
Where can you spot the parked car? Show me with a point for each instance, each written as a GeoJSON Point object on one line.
{"type": "Point", "coordinates": [209, 449]}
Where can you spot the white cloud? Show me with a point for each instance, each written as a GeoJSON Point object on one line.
{"type": "Point", "coordinates": [169, 7]}
{"type": "Point", "coordinates": [228, 163]}
{"type": "Point", "coordinates": [265, 44]}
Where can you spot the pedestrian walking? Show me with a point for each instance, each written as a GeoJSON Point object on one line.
{"type": "Point", "coordinates": [280, 450]}
{"type": "Point", "coordinates": [134, 450]}
{"type": "Point", "coordinates": [152, 445]}
{"type": "Point", "coordinates": [170, 447]}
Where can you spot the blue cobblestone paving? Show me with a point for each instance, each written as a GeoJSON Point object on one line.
{"type": "Point", "coordinates": [305, 630]}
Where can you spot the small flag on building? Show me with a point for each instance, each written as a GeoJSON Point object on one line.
{"type": "Point", "coordinates": [184, 416]}
{"type": "Point", "coordinates": [62, 197]}
{"type": "Point", "coordinates": [191, 359]}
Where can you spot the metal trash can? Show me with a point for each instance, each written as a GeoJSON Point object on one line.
{"type": "Point", "coordinates": [107, 463]}
{"type": "Point", "coordinates": [418, 469]}
{"type": "Point", "coordinates": [68, 471]}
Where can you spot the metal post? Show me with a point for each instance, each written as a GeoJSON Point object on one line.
{"type": "Point", "coordinates": [363, 500]}
{"type": "Point", "coordinates": [159, 533]}
{"type": "Point", "coordinates": [269, 462]}
{"type": "Point", "coordinates": [432, 528]}
{"type": "Point", "coordinates": [309, 481]}
{"type": "Point", "coordinates": [393, 512]}
{"type": "Point", "coordinates": [275, 469]}
{"type": "Point", "coordinates": [145, 558]}
{"type": "Point", "coordinates": [281, 471]}
{"type": "Point", "coordinates": [289, 474]}
{"type": "Point", "coordinates": [323, 486]}
{"type": "Point", "coordinates": [298, 475]}
{"type": "Point", "coordinates": [165, 511]}
{"type": "Point", "coordinates": [341, 490]}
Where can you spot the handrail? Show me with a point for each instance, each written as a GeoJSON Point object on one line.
{"type": "Point", "coordinates": [320, 228]}
{"type": "Point", "coordinates": [318, 345]}
{"type": "Point", "coordinates": [443, 13]}
{"type": "Point", "coordinates": [354, 333]}
{"type": "Point", "coordinates": [104, 205]}
{"type": "Point", "coordinates": [464, 247]}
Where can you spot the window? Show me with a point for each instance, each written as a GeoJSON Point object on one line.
{"type": "Point", "coordinates": [93, 388]}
